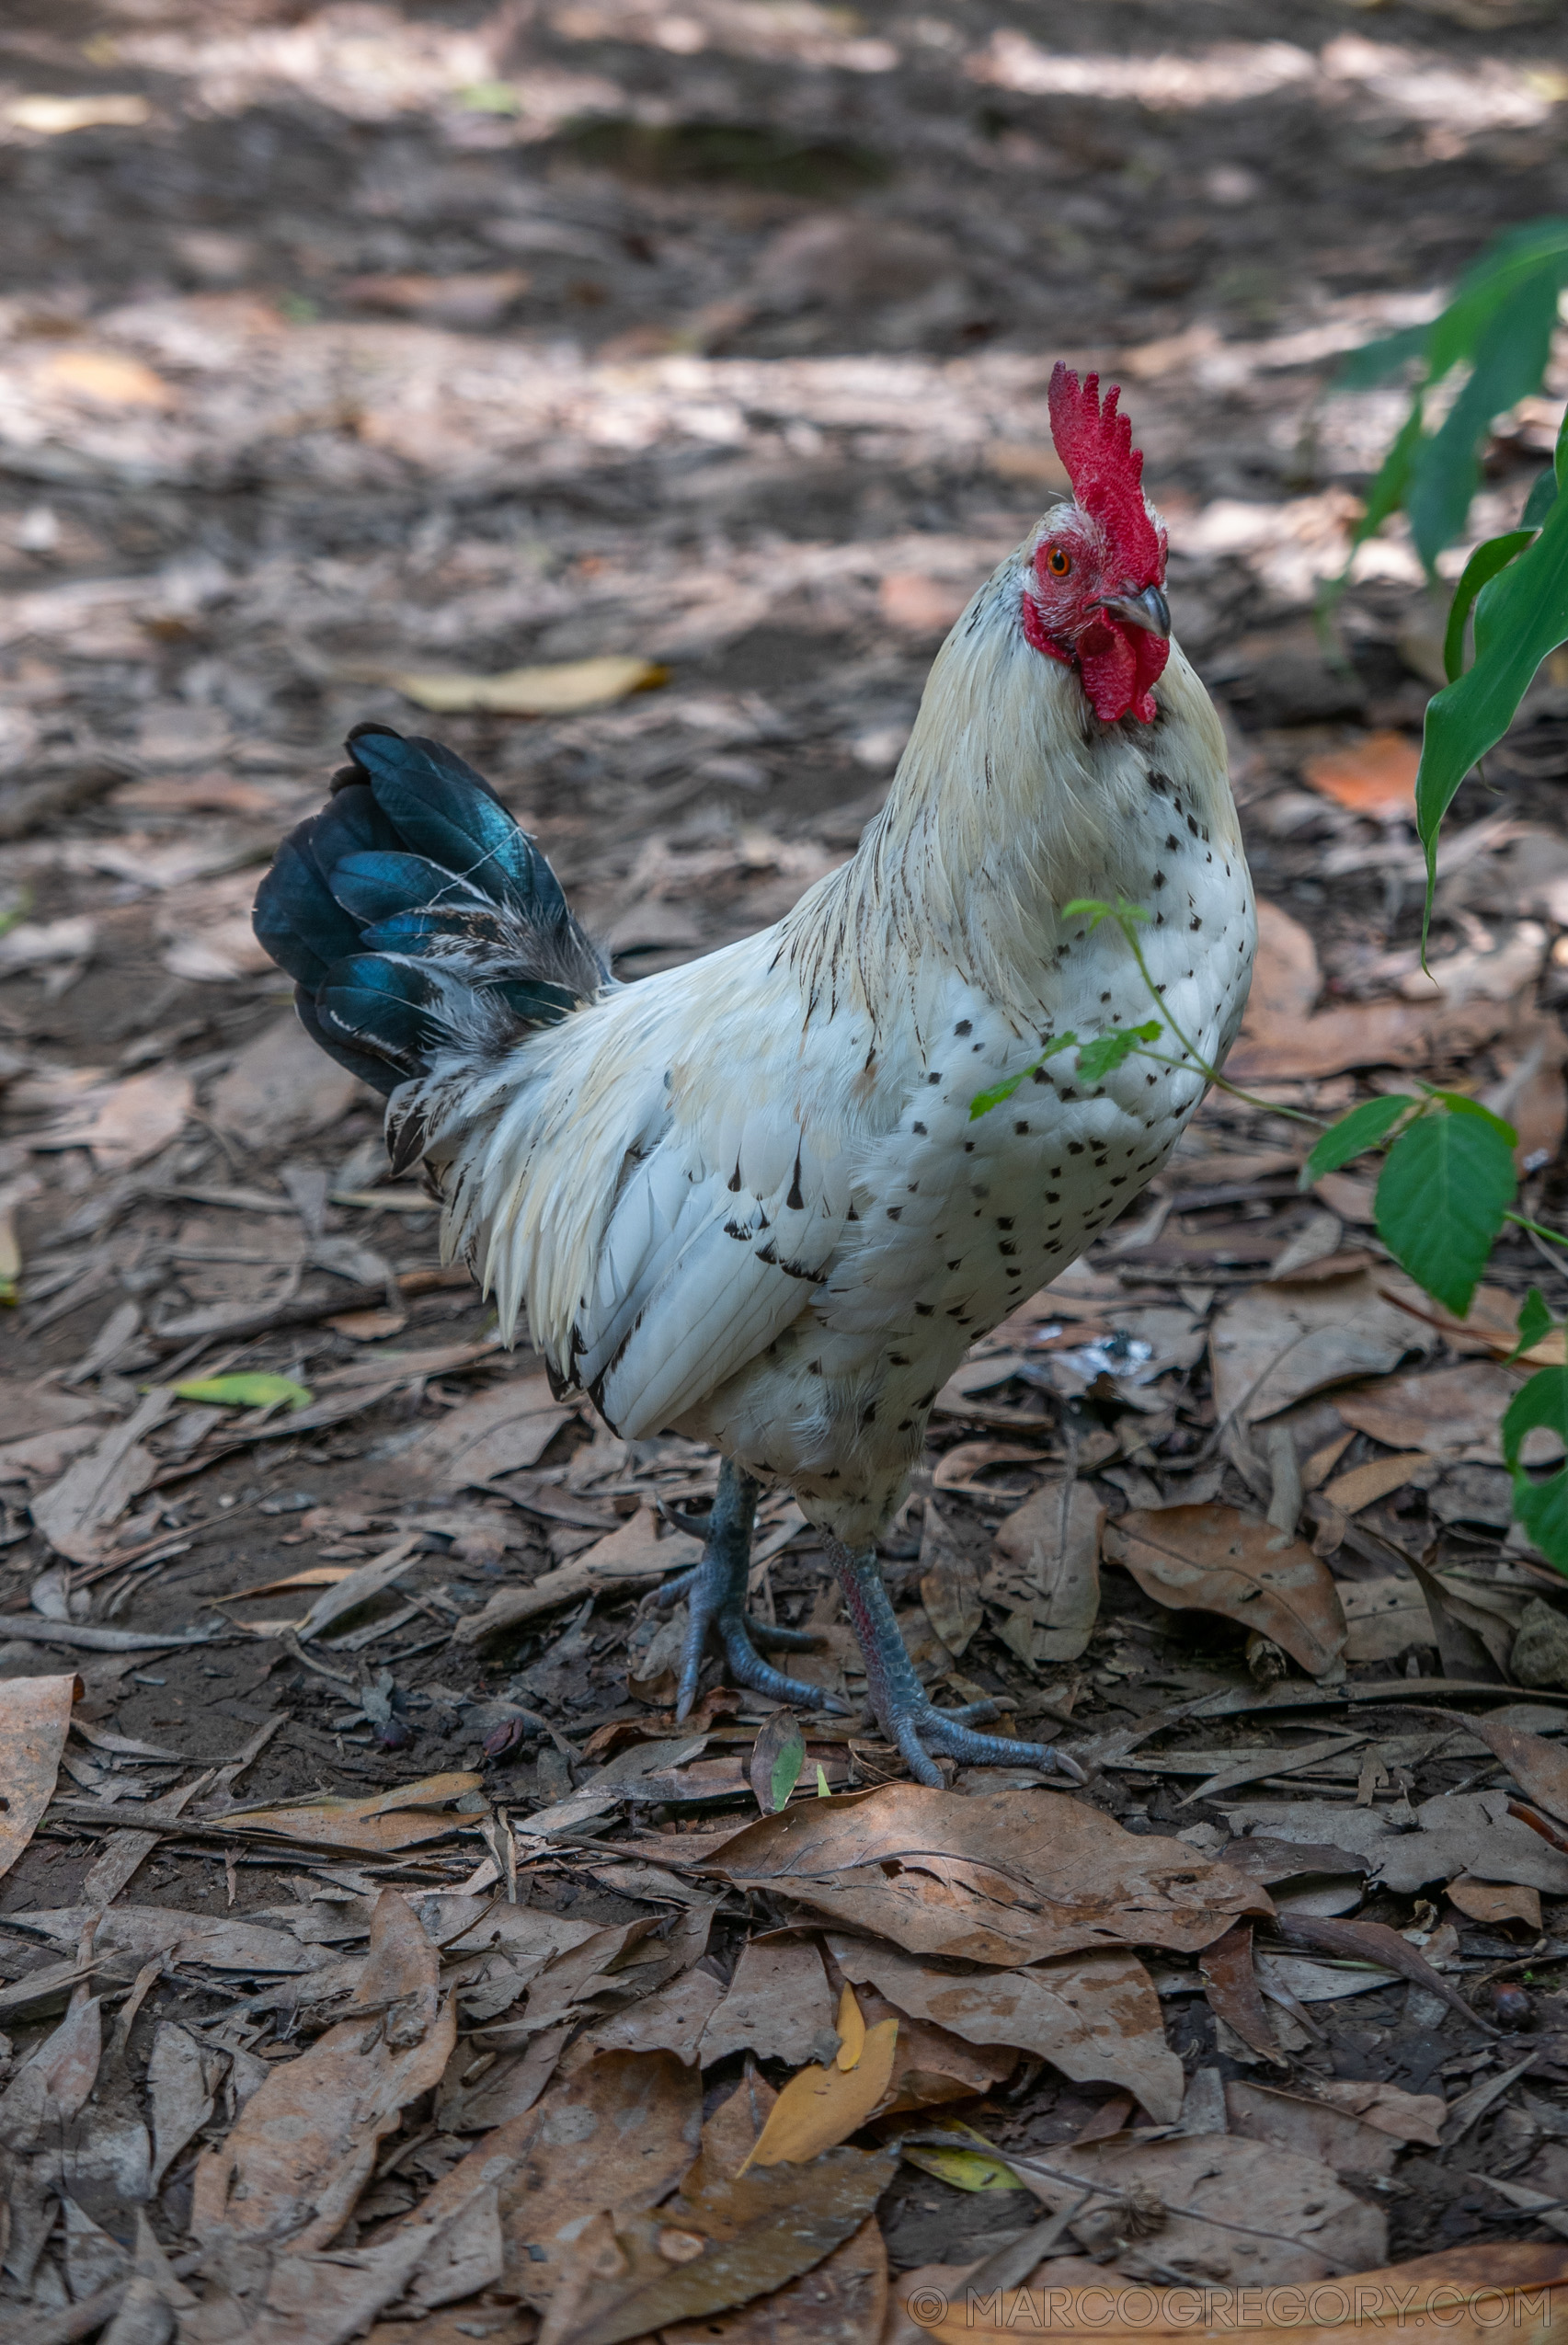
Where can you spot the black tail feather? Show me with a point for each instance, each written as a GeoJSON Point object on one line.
{"type": "Point", "coordinates": [416, 916]}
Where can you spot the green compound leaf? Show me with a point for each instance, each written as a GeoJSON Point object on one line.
{"type": "Point", "coordinates": [254, 1391]}
{"type": "Point", "coordinates": [1097, 1060]}
{"type": "Point", "coordinates": [1441, 1197]}
{"type": "Point", "coordinates": [1354, 1135]}
{"type": "Point", "coordinates": [1541, 1506]}
{"type": "Point", "coordinates": [984, 1101]}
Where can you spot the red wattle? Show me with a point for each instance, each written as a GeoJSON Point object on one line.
{"type": "Point", "coordinates": [1035, 633]}
{"type": "Point", "coordinates": [1119, 667]}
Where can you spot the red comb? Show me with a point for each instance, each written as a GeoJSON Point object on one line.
{"type": "Point", "coordinates": [1107, 471]}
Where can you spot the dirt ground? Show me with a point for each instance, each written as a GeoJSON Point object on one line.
{"type": "Point", "coordinates": [371, 340]}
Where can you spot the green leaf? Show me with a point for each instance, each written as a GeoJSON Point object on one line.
{"type": "Point", "coordinates": [1521, 615]}
{"type": "Point", "coordinates": [1097, 1060]}
{"type": "Point", "coordinates": [1540, 500]}
{"type": "Point", "coordinates": [1386, 492]}
{"type": "Point", "coordinates": [1541, 1506]}
{"type": "Point", "coordinates": [822, 1790]}
{"type": "Point", "coordinates": [984, 1101]}
{"type": "Point", "coordinates": [1354, 1135]}
{"type": "Point", "coordinates": [966, 2169]}
{"type": "Point", "coordinates": [1535, 1321]}
{"type": "Point", "coordinates": [1509, 363]}
{"type": "Point", "coordinates": [1489, 283]}
{"type": "Point", "coordinates": [1484, 564]}
{"type": "Point", "coordinates": [252, 1392]}
{"type": "Point", "coordinates": [1441, 1197]}
{"type": "Point", "coordinates": [786, 1769]}
{"type": "Point", "coordinates": [1375, 361]}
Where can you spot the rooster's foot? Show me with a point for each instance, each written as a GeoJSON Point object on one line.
{"type": "Point", "coordinates": [904, 1711]}
{"type": "Point", "coordinates": [715, 1591]}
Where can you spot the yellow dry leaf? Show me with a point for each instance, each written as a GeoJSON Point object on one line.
{"type": "Point", "coordinates": [851, 2030]}
{"type": "Point", "coordinates": [108, 379]}
{"type": "Point", "coordinates": [821, 2107]}
{"type": "Point", "coordinates": [560, 690]}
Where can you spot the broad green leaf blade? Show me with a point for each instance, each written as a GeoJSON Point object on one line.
{"type": "Point", "coordinates": [1490, 282]}
{"type": "Point", "coordinates": [1535, 1321]}
{"type": "Point", "coordinates": [1510, 361]}
{"type": "Point", "coordinates": [1540, 500]}
{"type": "Point", "coordinates": [1097, 1060]}
{"type": "Point", "coordinates": [1354, 1135]}
{"type": "Point", "coordinates": [1375, 361]}
{"type": "Point", "coordinates": [250, 1391]}
{"type": "Point", "coordinates": [1521, 616]}
{"type": "Point", "coordinates": [1441, 1197]}
{"type": "Point", "coordinates": [1541, 1506]}
{"type": "Point", "coordinates": [1386, 492]}
{"type": "Point", "coordinates": [1484, 564]}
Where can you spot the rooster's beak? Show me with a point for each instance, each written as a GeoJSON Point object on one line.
{"type": "Point", "coordinates": [1148, 609]}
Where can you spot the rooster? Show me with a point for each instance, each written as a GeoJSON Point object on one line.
{"type": "Point", "coordinates": [747, 1199]}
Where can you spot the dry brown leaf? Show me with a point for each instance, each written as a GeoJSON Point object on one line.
{"type": "Point", "coordinates": [560, 690]}
{"type": "Point", "coordinates": [1384, 1618]}
{"type": "Point", "coordinates": [495, 1433]}
{"type": "Point", "coordinates": [1049, 1571]}
{"type": "Point", "coordinates": [997, 1876]}
{"type": "Point", "coordinates": [130, 1122]}
{"type": "Point", "coordinates": [950, 1585]}
{"type": "Point", "coordinates": [34, 1715]}
{"type": "Point", "coordinates": [670, 2019]}
{"type": "Point", "coordinates": [1273, 1346]}
{"type": "Point", "coordinates": [1538, 1766]}
{"type": "Point", "coordinates": [282, 1088]}
{"type": "Point", "coordinates": [1493, 1903]}
{"type": "Point", "coordinates": [919, 605]}
{"type": "Point", "coordinates": [843, 2302]}
{"type": "Point", "coordinates": [183, 2077]}
{"type": "Point", "coordinates": [852, 2031]}
{"type": "Point", "coordinates": [721, 2242]}
{"type": "Point", "coordinates": [1378, 1478]}
{"type": "Point", "coordinates": [77, 1513]}
{"type": "Point", "coordinates": [1231, 1986]}
{"type": "Point", "coordinates": [469, 297]}
{"type": "Point", "coordinates": [960, 1467]}
{"type": "Point", "coordinates": [1442, 1412]}
{"type": "Point", "coordinates": [104, 378]}
{"type": "Point", "coordinates": [1095, 2017]}
{"type": "Point", "coordinates": [634, 1552]}
{"type": "Point", "coordinates": [618, 2134]}
{"type": "Point", "coordinates": [778, 2007]}
{"type": "Point", "coordinates": [388, 1821]}
{"type": "Point", "coordinates": [819, 2108]}
{"type": "Point", "coordinates": [214, 1941]}
{"type": "Point", "coordinates": [1475, 2294]}
{"type": "Point", "coordinates": [1336, 2137]}
{"type": "Point", "coordinates": [1311, 2227]}
{"type": "Point", "coordinates": [1286, 979]}
{"type": "Point", "coordinates": [1376, 1942]}
{"type": "Point", "coordinates": [367, 1579]}
{"type": "Point", "coordinates": [1375, 775]}
{"type": "Point", "coordinates": [302, 2147]}
{"type": "Point", "coordinates": [1215, 1559]}
{"type": "Point", "coordinates": [1409, 2117]}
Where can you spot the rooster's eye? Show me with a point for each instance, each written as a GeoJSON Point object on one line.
{"type": "Point", "coordinates": [1059, 561]}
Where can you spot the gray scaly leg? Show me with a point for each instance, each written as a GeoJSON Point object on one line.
{"type": "Point", "coordinates": [715, 1590]}
{"type": "Point", "coordinates": [905, 1711]}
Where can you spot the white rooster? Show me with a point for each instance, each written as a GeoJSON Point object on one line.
{"type": "Point", "coordinates": [747, 1199]}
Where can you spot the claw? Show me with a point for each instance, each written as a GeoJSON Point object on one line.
{"type": "Point", "coordinates": [716, 1591]}
{"type": "Point", "coordinates": [905, 1711]}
